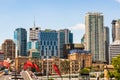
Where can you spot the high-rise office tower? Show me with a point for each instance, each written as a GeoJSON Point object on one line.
{"type": "Point", "coordinates": [64, 37]}
{"type": "Point", "coordinates": [34, 33]}
{"type": "Point", "coordinates": [113, 30]}
{"type": "Point", "coordinates": [106, 44]}
{"type": "Point", "coordinates": [117, 30]}
{"type": "Point", "coordinates": [94, 36]}
{"type": "Point", "coordinates": [33, 38]}
{"type": "Point", "coordinates": [8, 47]}
{"type": "Point", "coordinates": [48, 42]}
{"type": "Point", "coordinates": [20, 38]}
{"type": "Point", "coordinates": [52, 42]}
{"type": "Point", "coordinates": [114, 49]}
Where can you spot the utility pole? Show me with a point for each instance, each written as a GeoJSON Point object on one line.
{"type": "Point", "coordinates": [69, 62]}
{"type": "Point", "coordinates": [47, 70]}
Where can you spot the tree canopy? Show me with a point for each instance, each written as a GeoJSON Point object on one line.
{"type": "Point", "coordinates": [84, 71]}
{"type": "Point", "coordinates": [116, 64]}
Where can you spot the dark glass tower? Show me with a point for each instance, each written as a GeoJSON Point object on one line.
{"type": "Point", "coordinates": [64, 37]}
{"type": "Point", "coordinates": [20, 38]}
{"type": "Point", "coordinates": [113, 30]}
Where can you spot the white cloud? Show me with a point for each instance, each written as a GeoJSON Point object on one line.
{"type": "Point", "coordinates": [118, 1]}
{"type": "Point", "coordinates": [79, 26]}
{"type": "Point", "coordinates": [78, 31]}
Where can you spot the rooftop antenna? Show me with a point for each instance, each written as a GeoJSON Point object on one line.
{"type": "Point", "coordinates": [34, 21]}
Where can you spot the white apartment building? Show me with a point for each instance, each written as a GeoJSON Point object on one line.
{"type": "Point", "coordinates": [114, 50]}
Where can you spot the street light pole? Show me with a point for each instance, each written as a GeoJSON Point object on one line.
{"type": "Point", "coordinates": [69, 62]}
{"type": "Point", "coordinates": [69, 71]}
{"type": "Point", "coordinates": [47, 70]}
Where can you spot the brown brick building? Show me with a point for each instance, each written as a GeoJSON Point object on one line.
{"type": "Point", "coordinates": [73, 64]}
{"type": "Point", "coordinates": [8, 47]}
{"type": "Point", "coordinates": [79, 59]}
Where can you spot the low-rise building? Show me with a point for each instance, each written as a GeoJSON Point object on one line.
{"type": "Point", "coordinates": [1, 56]}
{"type": "Point", "coordinates": [19, 62]}
{"type": "Point", "coordinates": [68, 47]}
{"type": "Point", "coordinates": [79, 59]}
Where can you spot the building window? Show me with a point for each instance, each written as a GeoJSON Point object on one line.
{"type": "Point", "coordinates": [42, 47]}
{"type": "Point", "coordinates": [44, 43]}
{"type": "Point", "coordinates": [56, 47]}
{"type": "Point", "coordinates": [52, 53]}
{"type": "Point", "coordinates": [36, 28]}
{"type": "Point", "coordinates": [54, 43]}
{"type": "Point", "coordinates": [47, 42]}
{"type": "Point", "coordinates": [51, 42]}
{"type": "Point", "coordinates": [42, 53]}
{"type": "Point", "coordinates": [49, 47]}
{"type": "Point", "coordinates": [40, 42]}
{"type": "Point", "coordinates": [52, 47]}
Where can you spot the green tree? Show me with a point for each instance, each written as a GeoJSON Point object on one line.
{"type": "Point", "coordinates": [92, 75]}
{"type": "Point", "coordinates": [84, 71]}
{"type": "Point", "coordinates": [116, 64]}
{"type": "Point", "coordinates": [51, 79]}
{"type": "Point", "coordinates": [102, 75]}
{"type": "Point", "coordinates": [111, 74]}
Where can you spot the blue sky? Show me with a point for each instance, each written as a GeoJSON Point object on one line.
{"type": "Point", "coordinates": [53, 14]}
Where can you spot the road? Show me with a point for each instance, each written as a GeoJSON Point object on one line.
{"type": "Point", "coordinates": [5, 77]}
{"type": "Point", "coordinates": [8, 77]}
{"type": "Point", "coordinates": [25, 75]}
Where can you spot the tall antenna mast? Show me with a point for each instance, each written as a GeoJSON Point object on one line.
{"type": "Point", "coordinates": [34, 21]}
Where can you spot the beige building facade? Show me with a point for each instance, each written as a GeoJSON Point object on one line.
{"type": "Point", "coordinates": [72, 65]}
{"type": "Point", "coordinates": [79, 60]}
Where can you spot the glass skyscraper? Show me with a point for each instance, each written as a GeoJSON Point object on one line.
{"type": "Point", "coordinates": [113, 30]}
{"type": "Point", "coordinates": [20, 38]}
{"type": "Point", "coordinates": [95, 36]}
{"type": "Point", "coordinates": [106, 44]}
{"type": "Point", "coordinates": [64, 37]}
{"type": "Point", "coordinates": [114, 48]}
{"type": "Point", "coordinates": [48, 43]}
{"type": "Point", "coordinates": [52, 41]}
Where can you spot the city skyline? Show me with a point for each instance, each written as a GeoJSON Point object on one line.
{"type": "Point", "coordinates": [52, 14]}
